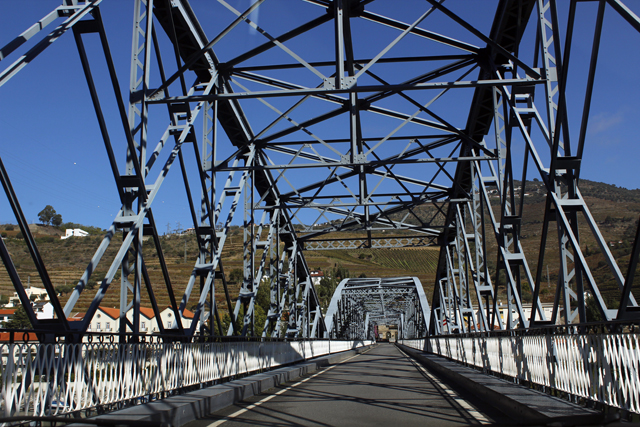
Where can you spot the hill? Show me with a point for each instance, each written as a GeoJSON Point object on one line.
{"type": "Point", "coordinates": [615, 210]}
{"type": "Point", "coordinates": [67, 259]}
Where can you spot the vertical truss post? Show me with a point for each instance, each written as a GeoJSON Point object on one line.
{"type": "Point", "coordinates": [564, 181]}
{"type": "Point", "coordinates": [247, 291]}
{"type": "Point", "coordinates": [274, 314]}
{"type": "Point", "coordinates": [207, 227]}
{"type": "Point", "coordinates": [482, 279]}
{"type": "Point", "coordinates": [465, 270]}
{"type": "Point", "coordinates": [510, 256]}
{"type": "Point", "coordinates": [292, 290]}
{"type": "Point", "coordinates": [138, 112]}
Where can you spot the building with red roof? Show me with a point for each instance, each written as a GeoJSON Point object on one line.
{"type": "Point", "coordinates": [167, 318]}
{"type": "Point", "coordinates": [105, 320]}
{"type": "Point", "coordinates": [6, 314]}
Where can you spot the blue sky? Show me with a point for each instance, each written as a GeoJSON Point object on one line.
{"type": "Point", "coordinates": [54, 154]}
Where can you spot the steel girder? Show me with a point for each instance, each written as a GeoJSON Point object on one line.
{"type": "Point", "coordinates": [516, 112]}
{"type": "Point", "coordinates": [375, 151]}
{"type": "Point", "coordinates": [360, 304]}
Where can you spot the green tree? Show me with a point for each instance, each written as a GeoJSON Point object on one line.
{"type": "Point", "coordinates": [57, 220]}
{"type": "Point", "coordinates": [259, 319]}
{"type": "Point", "coordinates": [47, 214]}
{"type": "Point", "coordinates": [263, 297]}
{"type": "Point", "coordinates": [20, 320]}
{"type": "Point", "coordinates": [226, 322]}
{"type": "Point", "coordinates": [325, 290]}
{"type": "Point", "coordinates": [236, 275]}
{"type": "Point", "coordinates": [4, 299]}
{"type": "Point", "coordinates": [593, 312]}
{"type": "Point", "coordinates": [64, 289]}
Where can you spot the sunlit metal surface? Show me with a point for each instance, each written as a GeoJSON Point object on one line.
{"type": "Point", "coordinates": [600, 367]}
{"type": "Point", "coordinates": [55, 379]}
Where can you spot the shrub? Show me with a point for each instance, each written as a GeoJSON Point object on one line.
{"type": "Point", "coordinates": [8, 227]}
{"type": "Point", "coordinates": [64, 289]}
{"type": "Point", "coordinates": [3, 234]}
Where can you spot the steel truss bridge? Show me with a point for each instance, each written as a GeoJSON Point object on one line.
{"type": "Point", "coordinates": [350, 125]}
{"type": "Point", "coordinates": [359, 305]}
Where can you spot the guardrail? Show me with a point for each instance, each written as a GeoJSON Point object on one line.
{"type": "Point", "coordinates": [601, 367]}
{"type": "Point", "coordinates": [57, 379]}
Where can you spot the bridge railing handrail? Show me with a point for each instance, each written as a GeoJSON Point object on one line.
{"type": "Point", "coordinates": [598, 367]}
{"type": "Point", "coordinates": [43, 379]}
{"type": "Point", "coordinates": [613, 326]}
{"type": "Point", "coordinates": [57, 336]}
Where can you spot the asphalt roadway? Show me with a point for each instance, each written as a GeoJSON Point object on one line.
{"type": "Point", "coordinates": [380, 387]}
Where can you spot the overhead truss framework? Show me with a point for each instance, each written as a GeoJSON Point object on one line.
{"type": "Point", "coordinates": [392, 124]}
{"type": "Point", "coordinates": [359, 306]}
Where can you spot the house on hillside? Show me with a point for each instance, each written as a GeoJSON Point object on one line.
{"type": "Point", "coordinates": [74, 232]}
{"type": "Point", "coordinates": [76, 317]}
{"type": "Point", "coordinates": [148, 321]}
{"type": "Point", "coordinates": [6, 314]}
{"type": "Point", "coordinates": [20, 336]}
{"type": "Point", "coordinates": [43, 310]}
{"type": "Point", "coordinates": [105, 320]}
{"type": "Point", "coordinates": [503, 310]}
{"type": "Point", "coordinates": [168, 319]}
{"type": "Point", "coordinates": [40, 293]}
{"type": "Point", "coordinates": [316, 277]}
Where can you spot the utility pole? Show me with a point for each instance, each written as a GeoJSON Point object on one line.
{"type": "Point", "coordinates": [547, 275]}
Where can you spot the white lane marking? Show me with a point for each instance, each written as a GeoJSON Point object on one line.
{"type": "Point", "coordinates": [481, 418]}
{"type": "Point", "coordinates": [268, 398]}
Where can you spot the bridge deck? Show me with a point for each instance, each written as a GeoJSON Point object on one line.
{"type": "Point", "coordinates": [379, 387]}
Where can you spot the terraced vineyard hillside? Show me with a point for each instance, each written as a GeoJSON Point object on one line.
{"type": "Point", "coordinates": [66, 260]}
{"type": "Point", "coordinates": [615, 209]}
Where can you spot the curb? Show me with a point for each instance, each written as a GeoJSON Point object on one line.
{"type": "Point", "coordinates": [524, 405]}
{"type": "Point", "coordinates": [178, 410]}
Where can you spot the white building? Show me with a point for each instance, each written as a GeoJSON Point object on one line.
{"type": "Point", "coordinates": [169, 321]}
{"type": "Point", "coordinates": [503, 310]}
{"type": "Point", "coordinates": [167, 318]}
{"type": "Point", "coordinates": [105, 320]}
{"type": "Point", "coordinates": [148, 321]}
{"type": "Point", "coordinates": [74, 232]}
{"type": "Point", "coordinates": [40, 294]}
{"type": "Point", "coordinates": [44, 310]}
{"type": "Point", "coordinates": [316, 277]}
{"type": "Point", "coordinates": [6, 314]}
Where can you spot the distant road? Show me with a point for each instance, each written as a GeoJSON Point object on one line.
{"type": "Point", "coordinates": [381, 387]}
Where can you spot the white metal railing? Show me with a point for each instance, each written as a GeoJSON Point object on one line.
{"type": "Point", "coordinates": [54, 379]}
{"type": "Point", "coordinates": [601, 367]}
